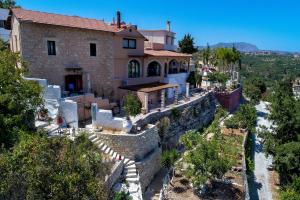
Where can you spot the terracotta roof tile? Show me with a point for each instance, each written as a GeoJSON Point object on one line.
{"type": "Point", "coordinates": [63, 20]}
{"type": "Point", "coordinates": [165, 53]}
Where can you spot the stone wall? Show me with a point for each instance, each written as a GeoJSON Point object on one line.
{"type": "Point", "coordinates": [133, 146]}
{"type": "Point", "coordinates": [116, 172]}
{"type": "Point", "coordinates": [148, 167]}
{"type": "Point", "coordinates": [229, 100]}
{"type": "Point", "coordinates": [192, 115]}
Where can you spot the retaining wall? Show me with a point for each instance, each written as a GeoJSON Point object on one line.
{"type": "Point", "coordinates": [133, 146]}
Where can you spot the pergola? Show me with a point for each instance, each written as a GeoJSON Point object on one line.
{"type": "Point", "coordinates": [143, 91]}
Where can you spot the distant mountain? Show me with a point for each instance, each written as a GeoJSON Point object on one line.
{"type": "Point", "coordinates": [241, 46]}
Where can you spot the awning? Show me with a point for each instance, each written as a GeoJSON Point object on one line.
{"type": "Point", "coordinates": [150, 87]}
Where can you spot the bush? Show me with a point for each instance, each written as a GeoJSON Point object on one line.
{"type": "Point", "coordinates": [55, 168]}
{"type": "Point", "coordinates": [169, 157]}
{"type": "Point", "coordinates": [175, 113]}
{"type": "Point", "coordinates": [122, 196]}
{"type": "Point", "coordinates": [231, 123]}
{"type": "Point", "coordinates": [132, 105]}
{"type": "Point", "coordinates": [163, 127]}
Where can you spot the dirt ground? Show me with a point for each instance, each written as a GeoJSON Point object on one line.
{"type": "Point", "coordinates": [181, 190]}
{"type": "Point", "coordinates": [274, 184]}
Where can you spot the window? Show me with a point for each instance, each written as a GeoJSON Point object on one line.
{"type": "Point", "coordinates": [93, 49]}
{"type": "Point", "coordinates": [154, 69]}
{"type": "Point", "coordinates": [133, 69]}
{"type": "Point", "coordinates": [51, 47]}
{"type": "Point", "coordinates": [129, 43]}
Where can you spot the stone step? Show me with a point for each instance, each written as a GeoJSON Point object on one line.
{"type": "Point", "coordinates": [131, 175]}
{"type": "Point", "coordinates": [97, 142]}
{"type": "Point", "coordinates": [100, 145]}
{"type": "Point", "coordinates": [111, 152]}
{"type": "Point", "coordinates": [94, 140]}
{"type": "Point", "coordinates": [130, 170]}
{"type": "Point", "coordinates": [104, 147]}
{"type": "Point", "coordinates": [131, 167]}
{"type": "Point", "coordinates": [133, 190]}
{"type": "Point", "coordinates": [92, 136]}
{"type": "Point", "coordinates": [132, 180]}
{"type": "Point", "coordinates": [130, 162]}
{"type": "Point", "coordinates": [114, 155]}
{"type": "Point", "coordinates": [126, 160]}
{"type": "Point", "coordinates": [107, 150]}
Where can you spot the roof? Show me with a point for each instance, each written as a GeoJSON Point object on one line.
{"type": "Point", "coordinates": [4, 14]}
{"type": "Point", "coordinates": [165, 53]}
{"type": "Point", "coordinates": [149, 87]}
{"type": "Point", "coordinates": [63, 20]}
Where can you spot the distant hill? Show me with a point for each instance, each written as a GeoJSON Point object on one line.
{"type": "Point", "coordinates": [241, 46]}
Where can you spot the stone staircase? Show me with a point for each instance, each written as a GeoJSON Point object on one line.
{"type": "Point", "coordinates": [130, 172]}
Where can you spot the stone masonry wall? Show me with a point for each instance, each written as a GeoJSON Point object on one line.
{"type": "Point", "coordinates": [148, 167]}
{"type": "Point", "coordinates": [133, 146]}
{"type": "Point", "coordinates": [193, 115]}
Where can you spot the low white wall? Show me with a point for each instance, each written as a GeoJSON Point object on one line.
{"type": "Point", "coordinates": [105, 119]}
{"type": "Point", "coordinates": [179, 79]}
{"type": "Point", "coordinates": [68, 110]}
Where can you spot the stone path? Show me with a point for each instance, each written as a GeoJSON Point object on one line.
{"type": "Point", "coordinates": [259, 184]}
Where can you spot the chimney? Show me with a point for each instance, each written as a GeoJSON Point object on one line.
{"type": "Point", "coordinates": [118, 19]}
{"type": "Point", "coordinates": [168, 26]}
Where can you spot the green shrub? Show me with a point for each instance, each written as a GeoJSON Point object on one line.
{"type": "Point", "coordinates": [175, 113]}
{"type": "Point", "coordinates": [231, 123]}
{"type": "Point", "coordinates": [122, 196]}
{"type": "Point", "coordinates": [132, 105]}
{"type": "Point", "coordinates": [163, 126]}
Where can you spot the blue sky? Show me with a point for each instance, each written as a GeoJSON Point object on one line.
{"type": "Point", "coordinates": [269, 24]}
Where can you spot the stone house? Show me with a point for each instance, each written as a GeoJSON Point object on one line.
{"type": "Point", "coordinates": [88, 55]}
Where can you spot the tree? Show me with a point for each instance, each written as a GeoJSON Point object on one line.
{"type": "Point", "coordinates": [19, 99]}
{"type": "Point", "coordinates": [254, 89]}
{"type": "Point", "coordinates": [186, 45]}
{"type": "Point", "coordinates": [3, 45]}
{"type": "Point", "coordinates": [7, 4]}
{"type": "Point", "coordinates": [218, 77]}
{"type": "Point", "coordinates": [168, 160]}
{"type": "Point", "coordinates": [194, 78]}
{"type": "Point", "coordinates": [132, 106]}
{"type": "Point", "coordinates": [207, 162]}
{"type": "Point", "coordinates": [55, 168]}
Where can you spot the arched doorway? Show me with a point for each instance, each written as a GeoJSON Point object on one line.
{"type": "Point", "coordinates": [173, 66]}
{"type": "Point", "coordinates": [153, 69]}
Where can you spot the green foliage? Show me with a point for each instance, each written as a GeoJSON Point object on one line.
{"type": "Point", "coordinates": [244, 117]}
{"type": "Point", "coordinates": [7, 4]}
{"type": "Point", "coordinates": [283, 142]}
{"type": "Point", "coordinates": [122, 196]}
{"type": "Point", "coordinates": [19, 99]}
{"type": "Point", "coordinates": [231, 122]}
{"type": "Point", "coordinates": [186, 45]}
{"type": "Point", "coordinates": [194, 78]}
{"type": "Point", "coordinates": [169, 158]}
{"type": "Point", "coordinates": [218, 77]}
{"type": "Point", "coordinates": [207, 161]}
{"type": "Point", "coordinates": [190, 139]}
{"type": "Point", "coordinates": [175, 113]}
{"type": "Point", "coordinates": [132, 105]}
{"type": "Point", "coordinates": [56, 168]}
{"type": "Point", "coordinates": [248, 153]}
{"type": "Point", "coordinates": [3, 45]}
{"type": "Point", "coordinates": [254, 89]}
{"type": "Point", "coordinates": [269, 68]}
{"type": "Point", "coordinates": [163, 127]}
{"type": "Point", "coordinates": [291, 191]}
{"type": "Point", "coordinates": [228, 57]}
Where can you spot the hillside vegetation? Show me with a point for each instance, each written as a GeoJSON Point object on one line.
{"type": "Point", "coordinates": [269, 68]}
